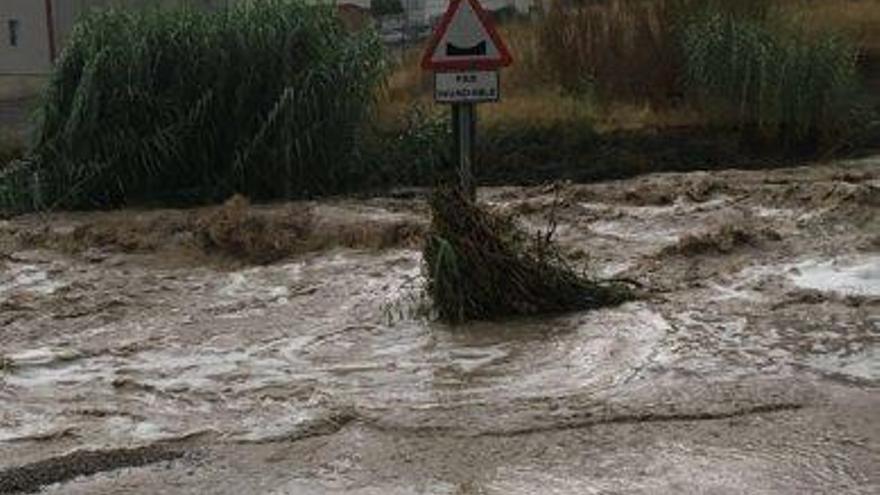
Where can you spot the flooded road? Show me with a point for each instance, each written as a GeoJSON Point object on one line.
{"type": "Point", "coordinates": [133, 360]}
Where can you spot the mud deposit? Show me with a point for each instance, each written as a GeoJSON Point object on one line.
{"type": "Point", "coordinates": [135, 360]}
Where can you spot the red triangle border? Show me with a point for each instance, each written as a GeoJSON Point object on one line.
{"type": "Point", "coordinates": [504, 60]}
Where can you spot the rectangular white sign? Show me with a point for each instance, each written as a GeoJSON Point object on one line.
{"type": "Point", "coordinates": [466, 87]}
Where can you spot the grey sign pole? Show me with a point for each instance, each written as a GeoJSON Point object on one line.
{"type": "Point", "coordinates": [464, 120]}
{"type": "Point", "coordinates": [465, 54]}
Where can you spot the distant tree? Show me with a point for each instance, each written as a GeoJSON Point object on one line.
{"type": "Point", "coordinates": [386, 7]}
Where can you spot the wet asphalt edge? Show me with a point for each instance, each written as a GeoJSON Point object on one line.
{"type": "Point", "coordinates": [32, 477]}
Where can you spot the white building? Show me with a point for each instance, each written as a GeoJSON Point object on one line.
{"type": "Point", "coordinates": [426, 11]}
{"type": "Point", "coordinates": [26, 44]}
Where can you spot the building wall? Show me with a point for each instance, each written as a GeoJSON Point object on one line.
{"type": "Point", "coordinates": [426, 11]}
{"type": "Point", "coordinates": [28, 52]}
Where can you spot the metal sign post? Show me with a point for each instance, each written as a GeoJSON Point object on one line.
{"type": "Point", "coordinates": [464, 125]}
{"type": "Point", "coordinates": [465, 53]}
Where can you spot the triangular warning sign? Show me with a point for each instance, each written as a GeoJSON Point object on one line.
{"type": "Point", "coordinates": [466, 39]}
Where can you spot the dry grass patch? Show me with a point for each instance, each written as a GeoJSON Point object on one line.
{"type": "Point", "coordinates": [622, 50]}
{"type": "Point", "coordinates": [409, 82]}
{"type": "Point", "coordinates": [531, 98]}
{"type": "Point", "coordinates": [618, 65]}
{"type": "Point", "coordinates": [859, 19]}
{"type": "Point", "coordinates": [537, 109]}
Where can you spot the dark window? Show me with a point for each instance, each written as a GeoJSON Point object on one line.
{"type": "Point", "coordinates": [14, 27]}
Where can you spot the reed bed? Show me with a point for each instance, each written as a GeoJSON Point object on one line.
{"type": "Point", "coordinates": [777, 81]}
{"type": "Point", "coordinates": [264, 99]}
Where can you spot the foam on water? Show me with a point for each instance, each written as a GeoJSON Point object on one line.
{"type": "Point", "coordinates": [859, 276]}
{"type": "Point", "coordinates": [279, 389]}
{"type": "Point", "coordinates": [27, 278]}
{"type": "Point", "coordinates": [864, 365]}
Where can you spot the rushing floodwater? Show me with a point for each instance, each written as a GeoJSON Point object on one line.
{"type": "Point", "coordinates": [119, 352]}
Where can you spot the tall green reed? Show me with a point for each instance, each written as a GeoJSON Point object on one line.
{"type": "Point", "coordinates": [774, 80]}
{"type": "Point", "coordinates": [264, 99]}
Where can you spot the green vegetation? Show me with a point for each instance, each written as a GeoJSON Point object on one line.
{"type": "Point", "coordinates": [265, 99]}
{"type": "Point", "coordinates": [776, 81]}
{"type": "Point", "coordinates": [600, 85]}
{"type": "Point", "coordinates": [11, 148]}
{"type": "Point", "coordinates": [412, 150]}
{"type": "Point", "coordinates": [273, 100]}
{"type": "Point", "coordinates": [13, 179]}
{"type": "Point", "coordinates": [481, 265]}
{"type": "Point", "coordinates": [748, 63]}
{"type": "Point", "coordinates": [386, 7]}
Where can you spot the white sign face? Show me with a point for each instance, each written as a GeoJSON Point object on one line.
{"type": "Point", "coordinates": [466, 87]}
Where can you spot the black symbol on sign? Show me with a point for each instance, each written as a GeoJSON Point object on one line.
{"type": "Point", "coordinates": [457, 51]}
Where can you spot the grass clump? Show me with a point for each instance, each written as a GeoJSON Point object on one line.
{"type": "Point", "coordinates": [480, 265]}
{"type": "Point", "coordinates": [411, 150]}
{"type": "Point", "coordinates": [11, 148]}
{"type": "Point", "coordinates": [776, 81]}
{"type": "Point", "coordinates": [264, 99]}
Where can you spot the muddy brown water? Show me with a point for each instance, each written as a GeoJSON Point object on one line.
{"type": "Point", "coordinates": [752, 367]}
